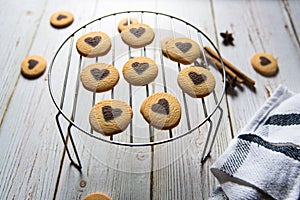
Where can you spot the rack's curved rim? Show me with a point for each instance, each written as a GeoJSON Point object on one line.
{"type": "Point", "coordinates": [126, 143]}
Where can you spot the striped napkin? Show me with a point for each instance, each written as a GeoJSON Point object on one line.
{"type": "Point", "coordinates": [263, 162]}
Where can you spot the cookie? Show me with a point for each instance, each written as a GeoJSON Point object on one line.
{"type": "Point", "coordinates": [99, 77]}
{"type": "Point", "coordinates": [123, 24]}
{"type": "Point", "coordinates": [97, 196]}
{"type": "Point", "coordinates": [110, 117]}
{"type": "Point", "coordinates": [183, 50]}
{"type": "Point", "coordinates": [140, 71]}
{"type": "Point", "coordinates": [93, 44]}
{"type": "Point", "coordinates": [197, 82]}
{"type": "Point", "coordinates": [61, 19]}
{"type": "Point", "coordinates": [264, 64]}
{"type": "Point", "coordinates": [33, 66]}
{"type": "Point", "coordinates": [137, 35]}
{"type": "Point", "coordinates": [164, 43]}
{"type": "Point", "coordinates": [161, 110]}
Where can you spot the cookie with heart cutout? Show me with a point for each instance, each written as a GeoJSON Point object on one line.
{"type": "Point", "coordinates": [61, 19]}
{"type": "Point", "coordinates": [124, 23]}
{"type": "Point", "coordinates": [140, 71]}
{"type": "Point", "coordinates": [93, 44]}
{"type": "Point", "coordinates": [183, 50]}
{"type": "Point", "coordinates": [161, 110]}
{"type": "Point", "coordinates": [110, 117]}
{"type": "Point", "coordinates": [99, 77]}
{"type": "Point", "coordinates": [138, 35]}
{"type": "Point", "coordinates": [33, 66]}
{"type": "Point", "coordinates": [196, 81]}
{"type": "Point", "coordinates": [264, 64]}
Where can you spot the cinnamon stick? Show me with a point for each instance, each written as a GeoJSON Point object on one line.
{"type": "Point", "coordinates": [234, 69]}
{"type": "Point", "coordinates": [230, 73]}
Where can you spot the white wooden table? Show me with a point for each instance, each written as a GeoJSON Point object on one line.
{"type": "Point", "coordinates": [33, 163]}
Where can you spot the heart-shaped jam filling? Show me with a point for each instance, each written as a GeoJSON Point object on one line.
{"type": "Point", "coordinates": [60, 17]}
{"type": "Point", "coordinates": [183, 46]}
{"type": "Point", "coordinates": [264, 61]}
{"type": "Point", "coordinates": [93, 41]}
{"type": "Point", "coordinates": [32, 63]}
{"type": "Point", "coordinates": [99, 74]}
{"type": "Point", "coordinates": [137, 32]}
{"type": "Point", "coordinates": [161, 107]}
{"type": "Point", "coordinates": [140, 67]}
{"type": "Point", "coordinates": [197, 78]}
{"type": "Point", "coordinates": [110, 113]}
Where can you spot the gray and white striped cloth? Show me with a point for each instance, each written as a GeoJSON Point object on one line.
{"type": "Point", "coordinates": [263, 162]}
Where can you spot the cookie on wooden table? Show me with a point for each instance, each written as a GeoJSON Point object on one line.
{"type": "Point", "coordinates": [183, 50]}
{"type": "Point", "coordinates": [264, 64]}
{"type": "Point", "coordinates": [138, 35]}
{"type": "Point", "coordinates": [110, 117]}
{"type": "Point", "coordinates": [97, 196]}
{"type": "Point", "coordinates": [33, 66]}
{"type": "Point", "coordinates": [61, 19]}
{"type": "Point", "coordinates": [161, 110]}
{"type": "Point", "coordinates": [123, 24]}
{"type": "Point", "coordinates": [99, 77]}
{"type": "Point", "coordinates": [93, 44]}
{"type": "Point", "coordinates": [197, 82]}
{"type": "Point", "coordinates": [140, 71]}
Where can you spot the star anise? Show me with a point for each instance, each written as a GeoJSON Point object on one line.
{"type": "Point", "coordinates": [227, 38]}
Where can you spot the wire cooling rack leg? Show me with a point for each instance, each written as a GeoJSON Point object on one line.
{"type": "Point", "coordinates": [206, 155]}
{"type": "Point", "coordinates": [65, 141]}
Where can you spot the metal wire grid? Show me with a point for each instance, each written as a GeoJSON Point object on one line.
{"type": "Point", "coordinates": [171, 137]}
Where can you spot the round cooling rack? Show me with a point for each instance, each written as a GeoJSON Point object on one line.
{"type": "Point", "coordinates": [74, 102]}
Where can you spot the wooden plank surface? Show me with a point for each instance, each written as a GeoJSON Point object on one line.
{"type": "Point", "coordinates": [33, 163]}
{"type": "Point", "coordinates": [14, 41]}
{"type": "Point", "coordinates": [254, 32]}
{"type": "Point", "coordinates": [31, 149]}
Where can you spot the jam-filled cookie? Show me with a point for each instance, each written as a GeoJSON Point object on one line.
{"type": "Point", "coordinates": [33, 66]}
{"type": "Point", "coordinates": [99, 77]}
{"type": "Point", "coordinates": [93, 44]}
{"type": "Point", "coordinates": [264, 64]}
{"type": "Point", "coordinates": [138, 35]}
{"type": "Point", "coordinates": [110, 117]}
{"type": "Point", "coordinates": [161, 110]}
{"type": "Point", "coordinates": [97, 196]}
{"type": "Point", "coordinates": [123, 24]}
{"type": "Point", "coordinates": [61, 19]}
{"type": "Point", "coordinates": [196, 81]}
{"type": "Point", "coordinates": [140, 71]}
{"type": "Point", "coordinates": [183, 50]}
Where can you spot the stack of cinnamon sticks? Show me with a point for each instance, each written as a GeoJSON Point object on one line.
{"type": "Point", "coordinates": [233, 74]}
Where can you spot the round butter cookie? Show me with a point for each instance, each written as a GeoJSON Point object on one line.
{"type": "Point", "coordinates": [137, 35]}
{"type": "Point", "coordinates": [33, 66]}
{"type": "Point", "coordinates": [123, 24]}
{"type": "Point", "coordinates": [99, 77]}
{"type": "Point", "coordinates": [264, 64]}
{"type": "Point", "coordinates": [183, 50]}
{"type": "Point", "coordinates": [61, 19]}
{"type": "Point", "coordinates": [93, 44]}
{"type": "Point", "coordinates": [140, 71]}
{"type": "Point", "coordinates": [196, 81]}
{"type": "Point", "coordinates": [110, 117]}
{"type": "Point", "coordinates": [161, 110]}
{"type": "Point", "coordinates": [97, 196]}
